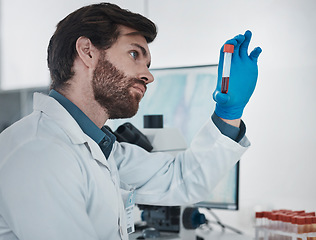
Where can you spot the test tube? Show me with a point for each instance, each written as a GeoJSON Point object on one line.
{"type": "Point", "coordinates": [228, 52]}
{"type": "Point", "coordinates": [259, 219]}
{"type": "Point", "coordinates": [308, 226]}
{"type": "Point", "coordinates": [313, 228]}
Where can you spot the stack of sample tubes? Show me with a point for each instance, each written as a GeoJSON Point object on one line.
{"type": "Point", "coordinates": [285, 225]}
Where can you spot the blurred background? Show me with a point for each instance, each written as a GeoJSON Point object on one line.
{"type": "Point", "coordinates": [278, 171]}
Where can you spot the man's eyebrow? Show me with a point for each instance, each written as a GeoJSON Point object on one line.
{"type": "Point", "coordinates": [144, 52]}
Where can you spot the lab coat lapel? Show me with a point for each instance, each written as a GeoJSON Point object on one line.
{"type": "Point", "coordinates": [96, 152]}
{"type": "Point", "coordinates": [61, 116]}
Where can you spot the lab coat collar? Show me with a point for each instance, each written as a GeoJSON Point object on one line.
{"type": "Point", "coordinates": [82, 119]}
{"type": "Point", "coordinates": [53, 109]}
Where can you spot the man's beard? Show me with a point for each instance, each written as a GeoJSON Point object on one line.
{"type": "Point", "coordinates": [112, 90]}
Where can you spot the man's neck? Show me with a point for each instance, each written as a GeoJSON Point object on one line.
{"type": "Point", "coordinates": [87, 104]}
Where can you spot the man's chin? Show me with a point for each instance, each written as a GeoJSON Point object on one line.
{"type": "Point", "coordinates": [118, 116]}
{"type": "Point", "coordinates": [137, 95]}
{"type": "Point", "coordinates": [127, 112]}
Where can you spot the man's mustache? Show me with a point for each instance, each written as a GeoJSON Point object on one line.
{"type": "Point", "coordinates": [137, 81]}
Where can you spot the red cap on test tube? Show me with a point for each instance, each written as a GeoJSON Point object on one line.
{"type": "Point", "coordinates": [299, 212]}
{"type": "Point", "coordinates": [309, 219]}
{"type": "Point", "coordinates": [300, 220]}
{"type": "Point", "coordinates": [274, 216]}
{"type": "Point", "coordinates": [287, 218]}
{"type": "Point", "coordinates": [228, 48]}
{"type": "Point", "coordinates": [228, 51]}
{"type": "Point", "coordinates": [310, 214]}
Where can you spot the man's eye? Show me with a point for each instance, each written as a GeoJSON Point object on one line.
{"type": "Point", "coordinates": [134, 54]}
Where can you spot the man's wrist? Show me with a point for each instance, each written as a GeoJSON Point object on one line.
{"type": "Point", "coordinates": [228, 129]}
{"type": "Point", "coordinates": [233, 122]}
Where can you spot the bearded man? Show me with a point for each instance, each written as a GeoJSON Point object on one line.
{"type": "Point", "coordinates": [62, 173]}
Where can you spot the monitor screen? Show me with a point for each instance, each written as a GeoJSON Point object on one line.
{"type": "Point", "coordinates": [183, 95]}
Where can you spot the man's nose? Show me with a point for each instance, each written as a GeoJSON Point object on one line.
{"type": "Point", "coordinates": [146, 76]}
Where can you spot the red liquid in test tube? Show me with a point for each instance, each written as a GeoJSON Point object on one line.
{"type": "Point", "coordinates": [228, 52]}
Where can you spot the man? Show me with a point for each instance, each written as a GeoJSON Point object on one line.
{"type": "Point", "coordinates": [63, 176]}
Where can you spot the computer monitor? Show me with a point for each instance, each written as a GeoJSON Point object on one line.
{"type": "Point", "coordinates": [183, 95]}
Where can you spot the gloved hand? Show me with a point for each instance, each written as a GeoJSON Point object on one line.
{"type": "Point", "coordinates": [242, 81]}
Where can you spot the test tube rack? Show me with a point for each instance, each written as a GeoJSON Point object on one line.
{"type": "Point", "coordinates": [268, 234]}
{"type": "Point", "coordinates": [285, 225]}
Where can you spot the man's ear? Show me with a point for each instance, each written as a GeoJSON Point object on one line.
{"type": "Point", "coordinates": [87, 52]}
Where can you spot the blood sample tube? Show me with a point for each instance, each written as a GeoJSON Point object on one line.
{"type": "Point", "coordinates": [308, 226]}
{"type": "Point", "coordinates": [228, 52]}
{"type": "Point", "coordinates": [259, 219]}
{"type": "Point", "coordinates": [299, 225]}
{"type": "Point", "coordinates": [313, 228]}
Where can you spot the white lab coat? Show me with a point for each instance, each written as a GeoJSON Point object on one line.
{"type": "Point", "coordinates": [55, 182]}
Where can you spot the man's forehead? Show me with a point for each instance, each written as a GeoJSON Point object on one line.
{"type": "Point", "coordinates": [124, 30]}
{"type": "Point", "coordinates": [127, 31]}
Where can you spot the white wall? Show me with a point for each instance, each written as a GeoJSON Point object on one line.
{"type": "Point", "coordinates": [278, 171]}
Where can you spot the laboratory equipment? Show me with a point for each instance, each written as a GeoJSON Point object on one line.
{"type": "Point", "coordinates": [163, 139]}
{"type": "Point", "coordinates": [192, 218]}
{"type": "Point", "coordinates": [228, 52]}
{"type": "Point", "coordinates": [285, 224]}
{"type": "Point", "coordinates": [127, 132]}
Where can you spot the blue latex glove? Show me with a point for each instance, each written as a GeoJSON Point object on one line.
{"type": "Point", "coordinates": [242, 81]}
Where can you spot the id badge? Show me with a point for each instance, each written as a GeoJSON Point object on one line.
{"type": "Point", "coordinates": [129, 209]}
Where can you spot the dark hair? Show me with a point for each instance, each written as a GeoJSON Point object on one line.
{"type": "Point", "coordinates": [99, 23]}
